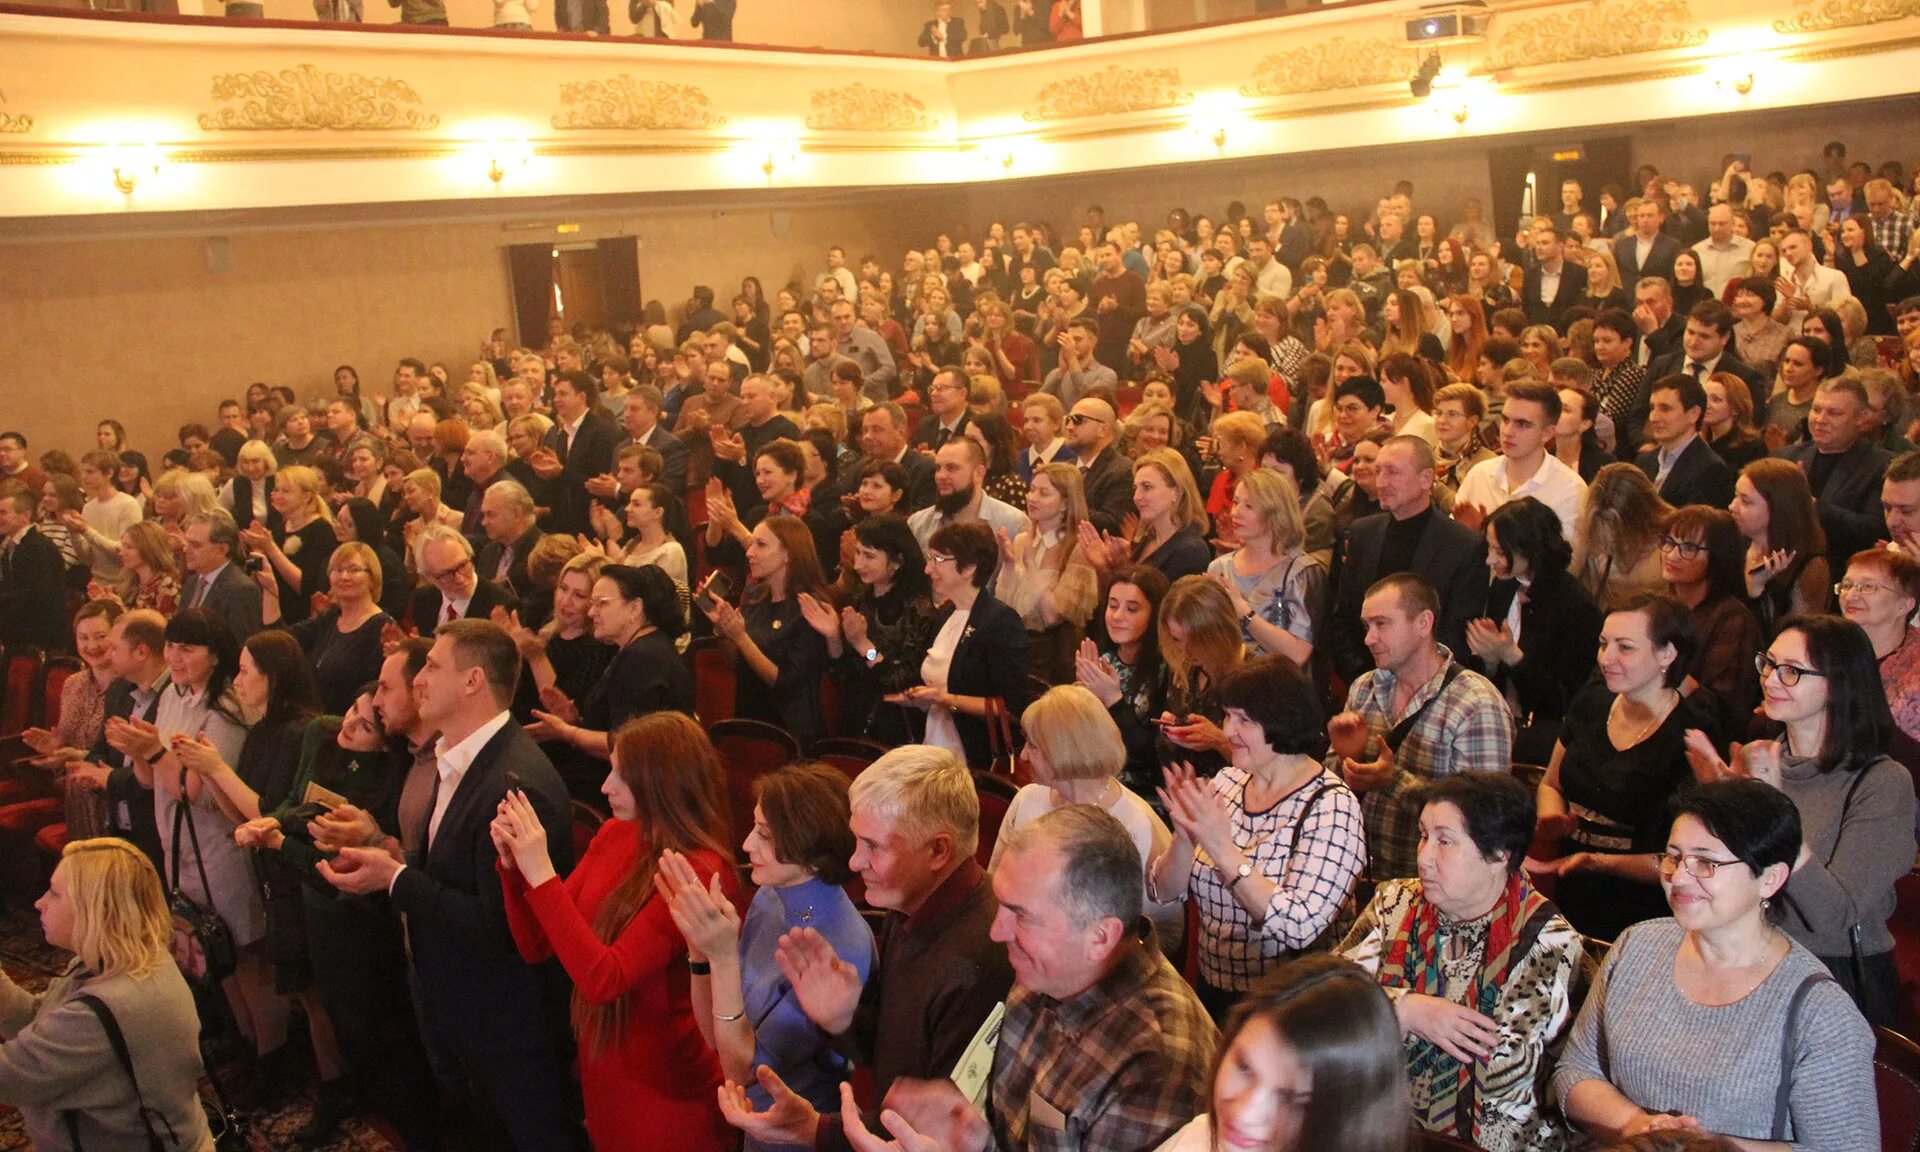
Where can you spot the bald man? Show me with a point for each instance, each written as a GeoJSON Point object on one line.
{"type": "Point", "coordinates": [1092, 428]}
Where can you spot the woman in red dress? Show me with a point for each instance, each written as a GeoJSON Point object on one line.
{"type": "Point", "coordinates": [647, 1074]}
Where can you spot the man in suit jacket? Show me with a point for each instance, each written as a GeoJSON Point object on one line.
{"type": "Point", "coordinates": [579, 447]}
{"type": "Point", "coordinates": [137, 651]}
{"type": "Point", "coordinates": [451, 587]}
{"type": "Point", "coordinates": [1844, 470]}
{"type": "Point", "coordinates": [1411, 535]}
{"type": "Point", "coordinates": [641, 421]}
{"type": "Point", "coordinates": [32, 576]}
{"type": "Point", "coordinates": [214, 581]}
{"type": "Point", "coordinates": [1703, 348]}
{"type": "Point", "coordinates": [1645, 251]}
{"type": "Point", "coordinates": [512, 532]}
{"type": "Point", "coordinates": [947, 413]}
{"type": "Point", "coordinates": [1567, 277]}
{"type": "Point", "coordinates": [478, 998]}
{"type": "Point", "coordinates": [1680, 464]}
{"type": "Point", "coordinates": [1106, 475]}
{"type": "Point", "coordinates": [944, 36]}
{"type": "Point", "coordinates": [883, 436]}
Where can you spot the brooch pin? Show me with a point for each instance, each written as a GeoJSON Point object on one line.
{"type": "Point", "coordinates": [967, 633]}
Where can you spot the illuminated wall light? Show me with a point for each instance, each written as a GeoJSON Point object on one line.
{"type": "Point", "coordinates": [131, 162]}
{"type": "Point", "coordinates": [507, 156]}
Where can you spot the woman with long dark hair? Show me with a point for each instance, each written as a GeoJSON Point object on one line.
{"type": "Point", "coordinates": [1786, 562]}
{"type": "Point", "coordinates": [646, 1071]}
{"type": "Point", "coordinates": [1120, 664]}
{"type": "Point", "coordinates": [878, 639]}
{"type": "Point", "coordinates": [1192, 361]}
{"type": "Point", "coordinates": [1703, 558]}
{"type": "Point", "coordinates": [637, 610]}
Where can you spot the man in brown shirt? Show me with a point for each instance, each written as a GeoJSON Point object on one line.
{"type": "Point", "coordinates": [1117, 300]}
{"type": "Point", "coordinates": [715, 406]}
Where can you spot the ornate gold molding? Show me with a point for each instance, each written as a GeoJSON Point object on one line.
{"type": "Point", "coordinates": [14, 122]}
{"type": "Point", "coordinates": [1829, 14]}
{"type": "Point", "coordinates": [858, 108]}
{"type": "Point", "coordinates": [1597, 31]}
{"type": "Point", "coordinates": [1335, 63]}
{"type": "Point", "coordinates": [623, 102]}
{"type": "Point", "coordinates": [305, 99]}
{"type": "Point", "coordinates": [1109, 92]}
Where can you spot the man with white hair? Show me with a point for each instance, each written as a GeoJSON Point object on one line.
{"type": "Point", "coordinates": [484, 463]}
{"type": "Point", "coordinates": [510, 519]}
{"type": "Point", "coordinates": [916, 825]}
{"type": "Point", "coordinates": [450, 586]}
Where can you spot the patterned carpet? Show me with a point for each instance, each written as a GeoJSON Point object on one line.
{"type": "Point", "coordinates": [29, 960]}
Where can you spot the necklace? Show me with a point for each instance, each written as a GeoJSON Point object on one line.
{"type": "Point", "coordinates": [1709, 996]}
{"type": "Point", "coordinates": [1660, 714]}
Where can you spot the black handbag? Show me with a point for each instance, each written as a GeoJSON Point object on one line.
{"type": "Point", "coordinates": [202, 943]}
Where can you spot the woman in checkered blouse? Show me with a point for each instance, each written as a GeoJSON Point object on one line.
{"type": "Point", "coordinates": [1271, 847]}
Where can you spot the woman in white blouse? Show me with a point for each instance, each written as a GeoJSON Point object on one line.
{"type": "Point", "coordinates": [1043, 575]}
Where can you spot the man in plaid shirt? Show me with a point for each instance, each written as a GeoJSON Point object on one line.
{"type": "Point", "coordinates": [1891, 228]}
{"type": "Point", "coordinates": [1104, 1046]}
{"type": "Point", "coordinates": [1415, 717]}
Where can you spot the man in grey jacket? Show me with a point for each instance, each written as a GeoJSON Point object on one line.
{"type": "Point", "coordinates": [215, 582]}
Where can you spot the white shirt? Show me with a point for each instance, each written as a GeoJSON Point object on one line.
{"type": "Point", "coordinates": [1416, 423]}
{"type": "Point", "coordinates": [1274, 280]}
{"type": "Point", "coordinates": [1720, 264]}
{"type": "Point", "coordinates": [573, 429]}
{"type": "Point", "coordinates": [1553, 484]}
{"type": "Point", "coordinates": [1821, 286]}
{"type": "Point", "coordinates": [941, 732]}
{"type": "Point", "coordinates": [996, 514]}
{"type": "Point", "coordinates": [453, 763]}
{"type": "Point", "coordinates": [1039, 456]}
{"type": "Point", "coordinates": [1549, 283]}
{"type": "Point", "coordinates": [107, 521]}
{"type": "Point", "coordinates": [1642, 251]}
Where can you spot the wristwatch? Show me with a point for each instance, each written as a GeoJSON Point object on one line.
{"type": "Point", "coordinates": [1241, 873]}
{"type": "Point", "coordinates": [872, 654]}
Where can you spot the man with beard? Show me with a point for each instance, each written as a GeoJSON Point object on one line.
{"type": "Point", "coordinates": [959, 468]}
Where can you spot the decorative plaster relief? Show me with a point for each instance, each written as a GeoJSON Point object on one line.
{"type": "Point", "coordinates": [1335, 63]}
{"type": "Point", "coordinates": [308, 100]}
{"type": "Point", "coordinates": [1596, 31]}
{"type": "Point", "coordinates": [1109, 92]}
{"type": "Point", "coordinates": [1829, 14]}
{"type": "Point", "coordinates": [623, 102]}
{"type": "Point", "coordinates": [858, 108]}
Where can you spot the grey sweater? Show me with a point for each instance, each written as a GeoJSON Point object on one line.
{"type": "Point", "coordinates": [1722, 1065]}
{"type": "Point", "coordinates": [1870, 849]}
{"type": "Point", "coordinates": [56, 1059]}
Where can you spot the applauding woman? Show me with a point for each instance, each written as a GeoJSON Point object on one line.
{"type": "Point", "coordinates": [637, 610]}
{"type": "Point", "coordinates": [879, 639]}
{"type": "Point", "coordinates": [646, 1071]}
{"type": "Point", "coordinates": [1715, 1019]}
{"type": "Point", "coordinates": [1124, 671]}
{"type": "Point", "coordinates": [1270, 848]}
{"type": "Point", "coordinates": [298, 548]}
{"type": "Point", "coordinates": [1043, 575]}
{"type": "Point", "coordinates": [746, 1008]}
{"type": "Point", "coordinates": [978, 657]}
{"type": "Point", "coordinates": [782, 658]}
{"type": "Point", "coordinates": [1277, 589]}
{"type": "Point", "coordinates": [342, 640]}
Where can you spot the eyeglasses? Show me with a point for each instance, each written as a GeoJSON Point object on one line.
{"type": "Point", "coordinates": [1685, 549]}
{"type": "Point", "coordinates": [450, 573]}
{"type": "Point", "coordinates": [1698, 867]}
{"type": "Point", "coordinates": [1081, 418]}
{"type": "Point", "coordinates": [1862, 587]}
{"type": "Point", "coordinates": [1790, 674]}
{"type": "Point", "coordinates": [938, 558]}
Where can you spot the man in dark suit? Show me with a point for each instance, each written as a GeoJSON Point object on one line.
{"type": "Point", "coordinates": [1106, 475]}
{"type": "Point", "coordinates": [1703, 348]}
{"type": "Point", "coordinates": [512, 530]}
{"type": "Point", "coordinates": [214, 581]}
{"type": "Point", "coordinates": [579, 447]}
{"type": "Point", "coordinates": [479, 999]}
{"type": "Point", "coordinates": [641, 422]}
{"type": "Point", "coordinates": [32, 576]}
{"type": "Point", "coordinates": [483, 463]}
{"type": "Point", "coordinates": [883, 436]}
{"type": "Point", "coordinates": [451, 587]}
{"type": "Point", "coordinates": [1843, 469]}
{"type": "Point", "coordinates": [947, 413]}
{"type": "Point", "coordinates": [1680, 464]}
{"type": "Point", "coordinates": [944, 36]}
{"type": "Point", "coordinates": [1645, 251]}
{"type": "Point", "coordinates": [1411, 535]}
{"type": "Point", "coordinates": [137, 651]}
{"type": "Point", "coordinates": [1551, 267]}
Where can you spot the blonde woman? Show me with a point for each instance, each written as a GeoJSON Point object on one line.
{"type": "Point", "coordinates": [1604, 289]}
{"type": "Point", "coordinates": [420, 496]}
{"type": "Point", "coordinates": [149, 574]}
{"type": "Point", "coordinates": [179, 495]}
{"type": "Point", "coordinates": [1277, 589]}
{"type": "Point", "coordinates": [1044, 575]}
{"type": "Point", "coordinates": [479, 408]}
{"type": "Point", "coordinates": [245, 493]}
{"type": "Point", "coordinates": [1172, 536]}
{"type": "Point", "coordinates": [105, 904]}
{"type": "Point", "coordinates": [1616, 544]}
{"type": "Point", "coordinates": [1201, 644]}
{"type": "Point", "coordinates": [297, 549]}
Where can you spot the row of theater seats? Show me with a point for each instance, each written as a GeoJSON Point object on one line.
{"type": "Point", "coordinates": [31, 808]}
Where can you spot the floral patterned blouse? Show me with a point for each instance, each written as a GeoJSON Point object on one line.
{"type": "Point", "coordinates": [1900, 673]}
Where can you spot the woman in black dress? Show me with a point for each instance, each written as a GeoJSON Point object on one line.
{"type": "Point", "coordinates": [879, 639]}
{"type": "Point", "coordinates": [781, 658]}
{"type": "Point", "coordinates": [297, 550]}
{"type": "Point", "coordinates": [565, 657]}
{"type": "Point", "coordinates": [1621, 757]}
{"type": "Point", "coordinates": [359, 520]}
{"type": "Point", "coordinates": [1120, 664]}
{"type": "Point", "coordinates": [343, 641]}
{"type": "Point", "coordinates": [637, 610]}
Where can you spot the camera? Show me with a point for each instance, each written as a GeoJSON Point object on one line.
{"type": "Point", "coordinates": [256, 564]}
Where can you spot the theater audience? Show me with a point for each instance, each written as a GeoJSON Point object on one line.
{"type": "Point", "coordinates": [106, 515]}
{"type": "Point", "coordinates": [1879, 592]}
{"type": "Point", "coordinates": [1270, 848]}
{"type": "Point", "coordinates": [298, 549]}
{"type": "Point", "coordinates": [781, 659]}
{"type": "Point", "coordinates": [59, 1066]}
{"type": "Point", "coordinates": [1043, 574]}
{"type": "Point", "coordinates": [1278, 591]}
{"type": "Point", "coordinates": [1417, 715]}
{"type": "Point", "coordinates": [1716, 1019]}
{"type": "Point", "coordinates": [1786, 561]}
{"type": "Point", "coordinates": [1856, 802]}
{"type": "Point", "coordinates": [637, 613]}
{"type": "Point", "coordinates": [1124, 670]}
{"type": "Point", "coordinates": [63, 750]}
{"type": "Point", "coordinates": [1481, 968]}
{"type": "Point", "coordinates": [1702, 557]}
{"type": "Point", "coordinates": [342, 641]}
{"type": "Point", "coordinates": [798, 852]}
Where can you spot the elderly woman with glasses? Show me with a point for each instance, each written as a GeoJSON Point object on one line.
{"type": "Point", "coordinates": [1880, 592]}
{"type": "Point", "coordinates": [1479, 965]}
{"type": "Point", "coordinates": [1820, 681]}
{"type": "Point", "coordinates": [1715, 1019]}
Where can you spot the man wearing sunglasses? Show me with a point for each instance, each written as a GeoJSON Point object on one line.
{"type": "Point", "coordinates": [1107, 475]}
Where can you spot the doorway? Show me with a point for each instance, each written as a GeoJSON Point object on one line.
{"type": "Point", "coordinates": [596, 284]}
{"type": "Point", "coordinates": [1593, 162]}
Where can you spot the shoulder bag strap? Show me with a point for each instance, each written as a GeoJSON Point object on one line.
{"type": "Point", "coordinates": [118, 1041]}
{"type": "Point", "coordinates": [1398, 734]}
{"type": "Point", "coordinates": [193, 836]}
{"type": "Point", "coordinates": [1857, 965]}
{"type": "Point", "coordinates": [1788, 1035]}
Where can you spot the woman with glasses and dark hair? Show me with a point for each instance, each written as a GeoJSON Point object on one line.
{"type": "Point", "coordinates": [1703, 559]}
{"type": "Point", "coordinates": [1821, 682]}
{"type": "Point", "coordinates": [1480, 966]}
{"type": "Point", "coordinates": [1716, 1019]}
{"type": "Point", "coordinates": [879, 638]}
{"type": "Point", "coordinates": [637, 610]}
{"type": "Point", "coordinates": [1536, 640]}
{"type": "Point", "coordinates": [1622, 754]}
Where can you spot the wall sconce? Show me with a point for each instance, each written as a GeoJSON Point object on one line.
{"type": "Point", "coordinates": [507, 156]}
{"type": "Point", "coordinates": [1459, 113]}
{"type": "Point", "coordinates": [1219, 137]}
{"type": "Point", "coordinates": [779, 155]}
{"type": "Point", "coordinates": [130, 163]}
{"type": "Point", "coordinates": [1740, 82]}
